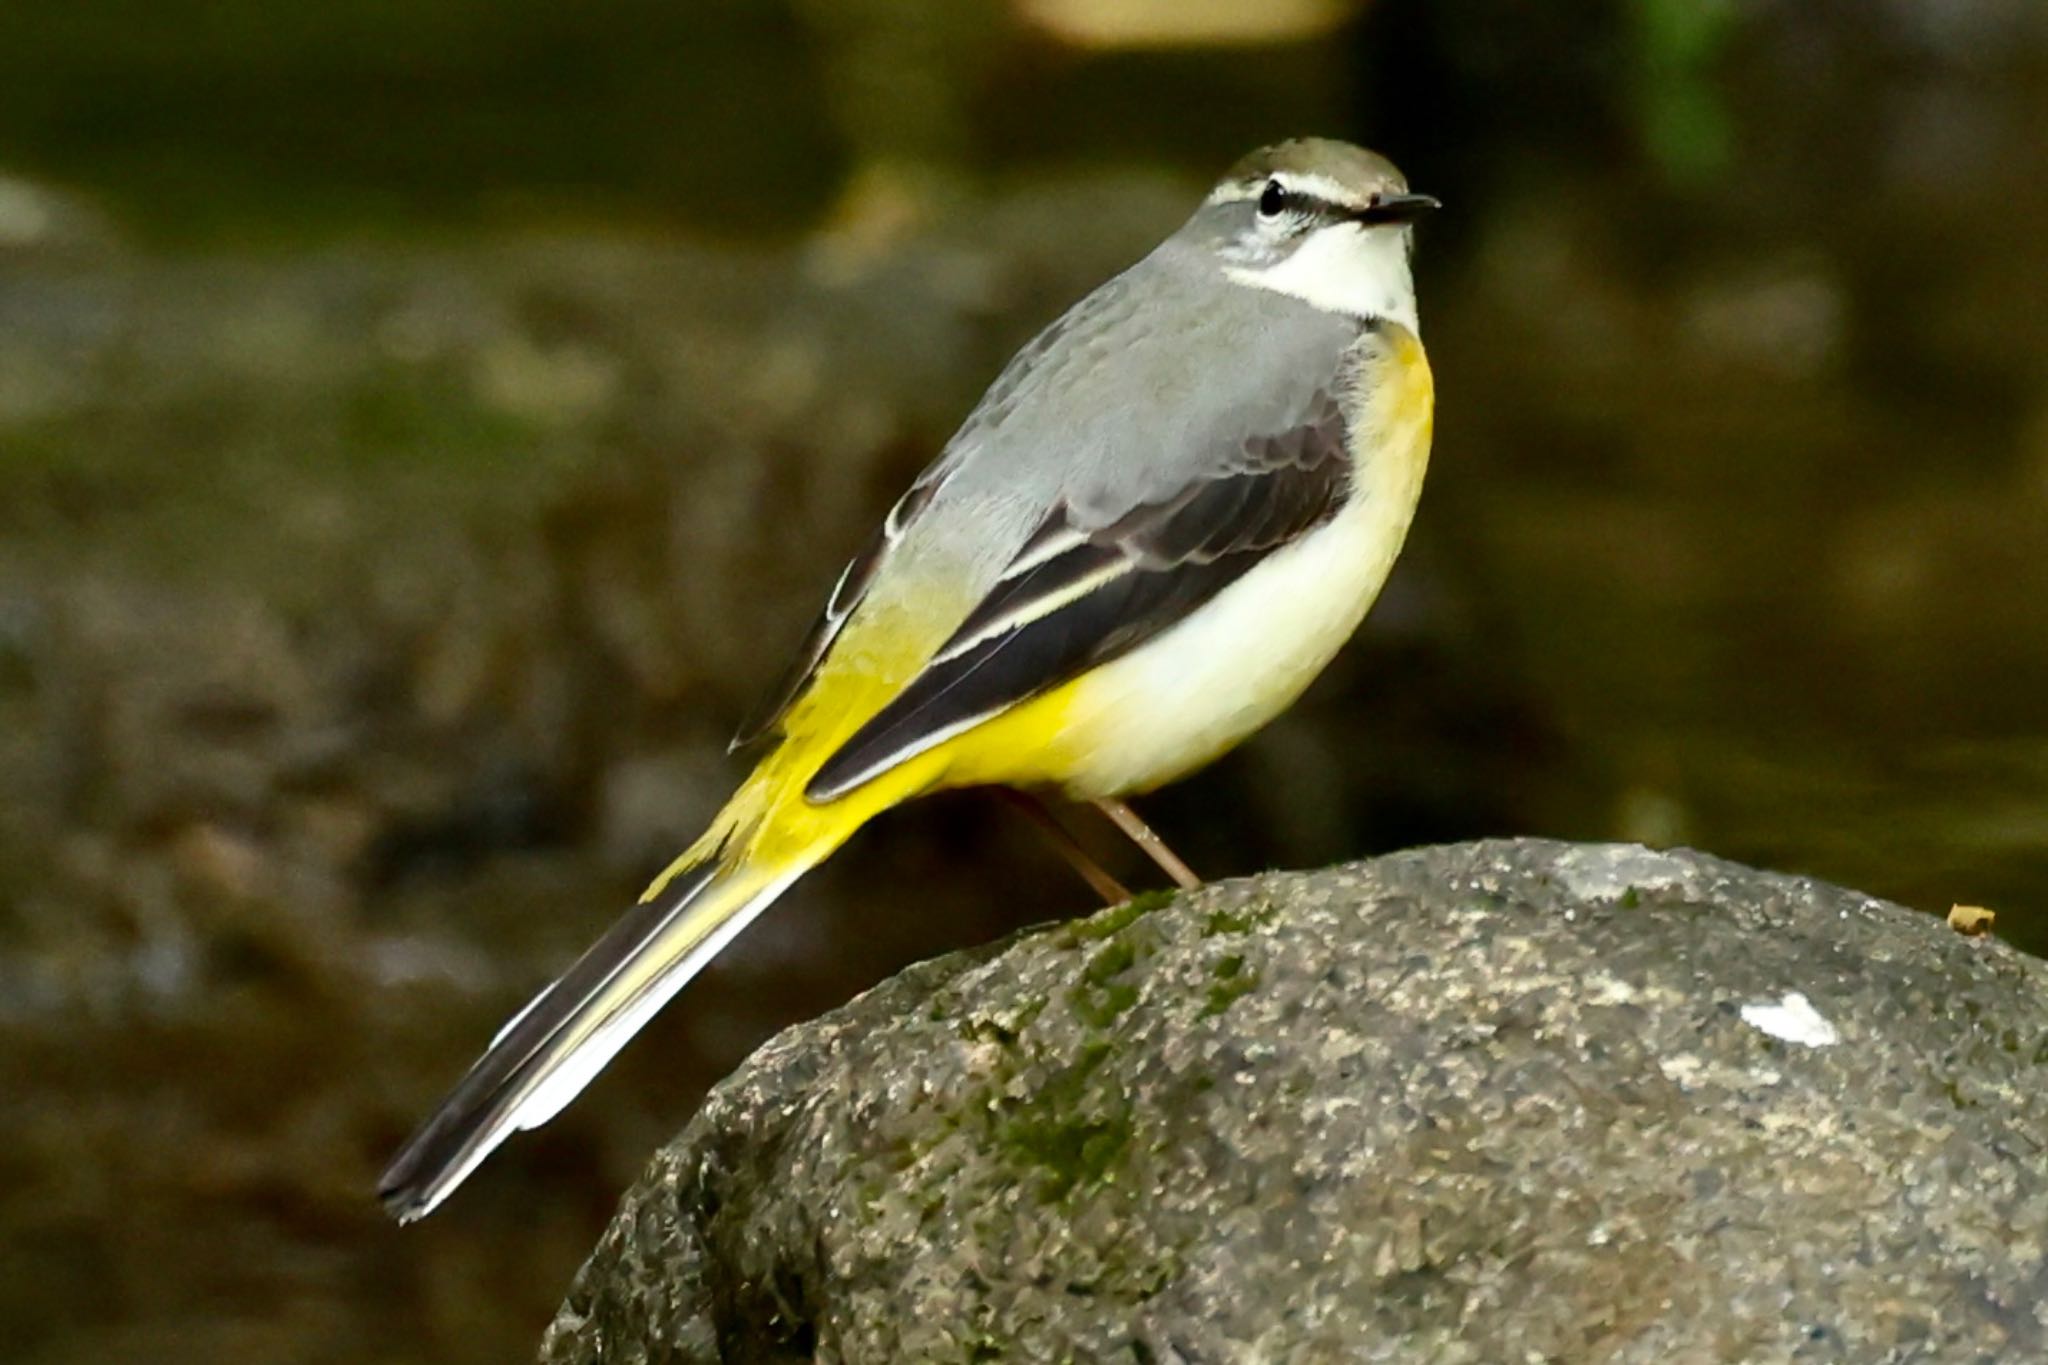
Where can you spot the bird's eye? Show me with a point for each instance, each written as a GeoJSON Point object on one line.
{"type": "Point", "coordinates": [1272, 200]}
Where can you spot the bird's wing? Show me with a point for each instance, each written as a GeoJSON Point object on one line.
{"type": "Point", "coordinates": [1047, 353]}
{"type": "Point", "coordinates": [847, 594]}
{"type": "Point", "coordinates": [1091, 585]}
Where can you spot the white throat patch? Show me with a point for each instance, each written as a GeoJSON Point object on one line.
{"type": "Point", "coordinates": [1345, 268]}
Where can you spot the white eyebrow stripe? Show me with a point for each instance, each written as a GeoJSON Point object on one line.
{"type": "Point", "coordinates": [1320, 187]}
{"type": "Point", "coordinates": [1314, 186]}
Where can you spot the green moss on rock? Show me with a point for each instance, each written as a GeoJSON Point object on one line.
{"type": "Point", "coordinates": [1231, 981]}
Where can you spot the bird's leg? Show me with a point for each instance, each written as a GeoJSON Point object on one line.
{"type": "Point", "coordinates": [1112, 891]}
{"type": "Point", "coordinates": [1155, 847]}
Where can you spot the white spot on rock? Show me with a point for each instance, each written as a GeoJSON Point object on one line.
{"type": "Point", "coordinates": [1606, 872]}
{"type": "Point", "coordinates": [1792, 1019]}
{"type": "Point", "coordinates": [1683, 1068]}
{"type": "Point", "coordinates": [1603, 989]}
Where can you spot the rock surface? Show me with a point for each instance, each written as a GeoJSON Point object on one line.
{"type": "Point", "coordinates": [1508, 1101]}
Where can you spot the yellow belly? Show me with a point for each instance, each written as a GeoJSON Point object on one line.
{"type": "Point", "coordinates": [1159, 712]}
{"type": "Point", "coordinates": [1187, 697]}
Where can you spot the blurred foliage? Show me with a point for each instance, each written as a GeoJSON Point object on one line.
{"type": "Point", "coordinates": [1684, 123]}
{"type": "Point", "coordinates": [202, 115]}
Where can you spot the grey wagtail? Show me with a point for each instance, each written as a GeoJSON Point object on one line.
{"type": "Point", "coordinates": [1162, 520]}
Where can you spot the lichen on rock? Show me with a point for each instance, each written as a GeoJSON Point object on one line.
{"type": "Point", "coordinates": [1508, 1100]}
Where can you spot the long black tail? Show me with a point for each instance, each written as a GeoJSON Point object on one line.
{"type": "Point", "coordinates": [555, 1046]}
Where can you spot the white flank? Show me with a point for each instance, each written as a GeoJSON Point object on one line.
{"type": "Point", "coordinates": [1233, 665]}
{"type": "Point", "coordinates": [1793, 1019]}
{"type": "Point", "coordinates": [1160, 711]}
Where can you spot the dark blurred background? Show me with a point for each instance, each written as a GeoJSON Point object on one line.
{"type": "Point", "coordinates": [426, 427]}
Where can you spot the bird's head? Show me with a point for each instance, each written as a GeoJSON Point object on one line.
{"type": "Point", "coordinates": [1323, 221]}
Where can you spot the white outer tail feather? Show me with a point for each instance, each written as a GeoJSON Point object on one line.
{"type": "Point", "coordinates": [578, 1067]}
{"type": "Point", "coordinates": [413, 1189]}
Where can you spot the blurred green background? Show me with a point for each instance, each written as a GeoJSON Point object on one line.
{"type": "Point", "coordinates": [425, 428]}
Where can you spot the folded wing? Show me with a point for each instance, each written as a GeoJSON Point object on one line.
{"type": "Point", "coordinates": [1087, 588]}
{"type": "Point", "coordinates": [847, 593]}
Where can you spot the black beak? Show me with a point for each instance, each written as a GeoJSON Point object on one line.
{"type": "Point", "coordinates": [1396, 208]}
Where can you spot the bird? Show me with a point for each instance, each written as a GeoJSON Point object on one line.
{"type": "Point", "coordinates": [1159, 524]}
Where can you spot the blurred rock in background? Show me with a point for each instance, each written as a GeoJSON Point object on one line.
{"type": "Point", "coordinates": [425, 431]}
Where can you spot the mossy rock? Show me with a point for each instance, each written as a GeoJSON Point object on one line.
{"type": "Point", "coordinates": [1511, 1100]}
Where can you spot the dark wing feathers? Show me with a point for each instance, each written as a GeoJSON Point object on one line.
{"type": "Point", "coordinates": [1078, 596]}
{"type": "Point", "coordinates": [1088, 315]}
